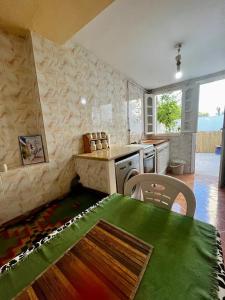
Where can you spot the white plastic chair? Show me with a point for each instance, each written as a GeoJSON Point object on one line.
{"type": "Point", "coordinates": [161, 190]}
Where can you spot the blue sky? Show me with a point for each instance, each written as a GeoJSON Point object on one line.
{"type": "Point", "coordinates": [212, 95]}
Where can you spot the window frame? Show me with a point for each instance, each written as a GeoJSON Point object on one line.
{"type": "Point", "coordinates": [155, 113]}
{"type": "Point", "coordinates": [152, 115]}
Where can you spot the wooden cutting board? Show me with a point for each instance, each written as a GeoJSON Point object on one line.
{"type": "Point", "coordinates": [107, 263]}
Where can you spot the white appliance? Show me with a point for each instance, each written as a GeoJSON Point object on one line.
{"type": "Point", "coordinates": [125, 169]}
{"type": "Point", "coordinates": [162, 157]}
{"type": "Point", "coordinates": [149, 160]}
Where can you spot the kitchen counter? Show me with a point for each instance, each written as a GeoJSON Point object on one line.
{"type": "Point", "coordinates": [114, 152]}
{"type": "Point", "coordinates": [97, 169]}
{"type": "Point", "coordinates": [154, 142]}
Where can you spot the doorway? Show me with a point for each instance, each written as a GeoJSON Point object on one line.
{"type": "Point", "coordinates": [209, 133]}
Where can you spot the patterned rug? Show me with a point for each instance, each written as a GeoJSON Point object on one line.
{"type": "Point", "coordinates": [20, 236]}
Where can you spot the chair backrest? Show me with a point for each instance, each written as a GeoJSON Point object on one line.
{"type": "Point", "coordinates": [162, 190]}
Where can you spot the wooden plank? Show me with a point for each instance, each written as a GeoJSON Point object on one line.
{"type": "Point", "coordinates": [28, 294]}
{"type": "Point", "coordinates": [126, 237]}
{"type": "Point", "coordinates": [108, 263]}
{"type": "Point", "coordinates": [53, 285]}
{"type": "Point", "coordinates": [116, 246]}
{"type": "Point", "coordinates": [106, 266]}
{"type": "Point", "coordinates": [82, 277]}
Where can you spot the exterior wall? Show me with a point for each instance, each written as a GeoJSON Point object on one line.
{"type": "Point", "coordinates": [63, 76]}
{"type": "Point", "coordinates": [210, 123]}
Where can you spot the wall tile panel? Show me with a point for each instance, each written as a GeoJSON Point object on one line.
{"type": "Point", "coordinates": [63, 76]}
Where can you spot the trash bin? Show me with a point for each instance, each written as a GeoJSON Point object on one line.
{"type": "Point", "coordinates": [177, 167]}
{"type": "Point", "coordinates": [218, 149]}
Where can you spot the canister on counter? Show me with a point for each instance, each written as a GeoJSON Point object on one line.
{"type": "Point", "coordinates": [94, 135]}
{"type": "Point", "coordinates": [104, 144]}
{"type": "Point", "coordinates": [98, 145]}
{"type": "Point", "coordinates": [103, 135]}
{"type": "Point", "coordinates": [93, 146]}
{"type": "Point", "coordinates": [89, 135]}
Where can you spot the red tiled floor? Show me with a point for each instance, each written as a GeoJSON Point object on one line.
{"type": "Point", "coordinates": [210, 206]}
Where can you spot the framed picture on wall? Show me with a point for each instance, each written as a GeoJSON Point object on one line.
{"type": "Point", "coordinates": [31, 149]}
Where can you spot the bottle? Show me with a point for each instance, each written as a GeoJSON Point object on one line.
{"type": "Point", "coordinates": [94, 135]}
{"type": "Point", "coordinates": [89, 135]}
{"type": "Point", "coordinates": [93, 146]}
{"type": "Point", "coordinates": [99, 145]}
{"type": "Point", "coordinates": [104, 144]}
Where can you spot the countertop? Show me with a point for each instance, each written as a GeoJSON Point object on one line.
{"type": "Point", "coordinates": [154, 142]}
{"type": "Point", "coordinates": [112, 153]}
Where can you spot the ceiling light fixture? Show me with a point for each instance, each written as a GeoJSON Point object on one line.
{"type": "Point", "coordinates": [178, 74]}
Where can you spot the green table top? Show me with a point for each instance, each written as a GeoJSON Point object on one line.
{"type": "Point", "coordinates": [182, 266]}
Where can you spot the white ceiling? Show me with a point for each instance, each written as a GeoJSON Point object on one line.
{"type": "Point", "coordinates": [138, 37]}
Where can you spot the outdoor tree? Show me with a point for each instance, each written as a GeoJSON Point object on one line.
{"type": "Point", "coordinates": [168, 111]}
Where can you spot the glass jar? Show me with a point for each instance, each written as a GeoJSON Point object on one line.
{"type": "Point", "coordinates": [104, 144]}
{"type": "Point", "coordinates": [99, 145]}
{"type": "Point", "coordinates": [89, 135]}
{"type": "Point", "coordinates": [103, 134]}
{"type": "Point", "coordinates": [94, 135]}
{"type": "Point", "coordinates": [93, 146]}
